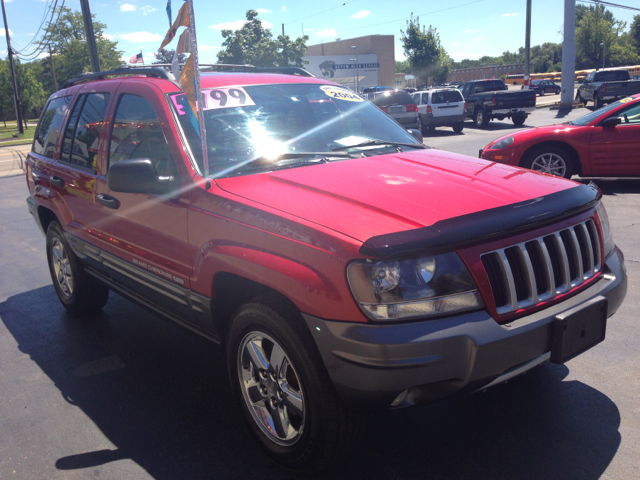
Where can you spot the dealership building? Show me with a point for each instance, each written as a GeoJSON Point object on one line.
{"type": "Point", "coordinates": [357, 62]}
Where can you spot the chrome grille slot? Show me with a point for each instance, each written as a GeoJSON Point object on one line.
{"type": "Point", "coordinates": [540, 269]}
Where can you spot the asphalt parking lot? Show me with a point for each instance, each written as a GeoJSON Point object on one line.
{"type": "Point", "coordinates": [125, 395]}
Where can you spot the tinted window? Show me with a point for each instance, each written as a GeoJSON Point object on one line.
{"type": "Point", "coordinates": [612, 76]}
{"type": "Point", "coordinates": [137, 133]}
{"type": "Point", "coordinates": [50, 124]}
{"type": "Point", "coordinates": [446, 97]}
{"type": "Point", "coordinates": [537, 82]}
{"type": "Point", "coordinates": [395, 98]}
{"type": "Point", "coordinates": [83, 131]}
{"type": "Point", "coordinates": [631, 115]}
{"type": "Point", "coordinates": [425, 98]}
{"type": "Point", "coordinates": [490, 86]}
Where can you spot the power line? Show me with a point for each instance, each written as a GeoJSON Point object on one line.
{"type": "Point", "coordinates": [609, 4]}
{"type": "Point", "coordinates": [319, 13]}
{"type": "Point", "coordinates": [35, 35]}
{"type": "Point", "coordinates": [43, 43]}
{"type": "Point", "coordinates": [405, 18]}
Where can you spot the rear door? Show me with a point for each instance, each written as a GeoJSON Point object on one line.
{"type": "Point", "coordinates": [446, 103]}
{"type": "Point", "coordinates": [616, 150]}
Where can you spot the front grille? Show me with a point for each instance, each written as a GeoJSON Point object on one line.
{"type": "Point", "coordinates": [542, 268]}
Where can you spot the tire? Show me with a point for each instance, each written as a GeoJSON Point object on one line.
{"type": "Point", "coordinates": [457, 127]}
{"type": "Point", "coordinates": [480, 119]}
{"type": "Point", "coordinates": [553, 160]}
{"type": "Point", "coordinates": [541, 92]}
{"type": "Point", "coordinates": [579, 97]}
{"type": "Point", "coordinates": [421, 125]}
{"type": "Point", "coordinates": [78, 292]}
{"type": "Point", "coordinates": [314, 428]}
{"type": "Point", "coordinates": [597, 103]}
{"type": "Point", "coordinates": [518, 120]}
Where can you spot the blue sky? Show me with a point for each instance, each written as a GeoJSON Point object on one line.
{"type": "Point", "coordinates": [468, 28]}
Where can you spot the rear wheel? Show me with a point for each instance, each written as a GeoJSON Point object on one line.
{"type": "Point", "coordinates": [78, 292]}
{"type": "Point", "coordinates": [481, 120]}
{"type": "Point", "coordinates": [552, 159]}
{"type": "Point", "coordinates": [519, 119]}
{"type": "Point", "coordinates": [285, 393]}
{"type": "Point", "coordinates": [597, 103]}
{"type": "Point", "coordinates": [541, 92]}
{"type": "Point", "coordinates": [457, 127]}
{"type": "Point", "coordinates": [421, 125]}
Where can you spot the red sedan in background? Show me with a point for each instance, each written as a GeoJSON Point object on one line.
{"type": "Point", "coordinates": [604, 143]}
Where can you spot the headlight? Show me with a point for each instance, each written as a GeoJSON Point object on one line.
{"type": "Point", "coordinates": [505, 142]}
{"type": "Point", "coordinates": [606, 229]}
{"type": "Point", "coordinates": [395, 290]}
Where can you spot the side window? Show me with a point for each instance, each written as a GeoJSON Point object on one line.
{"type": "Point", "coordinates": [137, 133]}
{"type": "Point", "coordinates": [82, 134]}
{"type": "Point", "coordinates": [631, 115]}
{"type": "Point", "coordinates": [425, 99]}
{"type": "Point", "coordinates": [47, 134]}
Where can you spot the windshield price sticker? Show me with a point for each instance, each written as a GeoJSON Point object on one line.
{"type": "Point", "coordinates": [625, 100]}
{"type": "Point", "coordinates": [340, 93]}
{"type": "Point", "coordinates": [226, 98]}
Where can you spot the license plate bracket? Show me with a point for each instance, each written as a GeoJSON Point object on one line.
{"type": "Point", "coordinates": [577, 330]}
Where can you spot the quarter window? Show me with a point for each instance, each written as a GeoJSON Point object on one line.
{"type": "Point", "coordinates": [50, 124]}
{"type": "Point", "coordinates": [631, 115]}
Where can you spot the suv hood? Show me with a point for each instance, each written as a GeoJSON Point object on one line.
{"type": "Point", "coordinates": [372, 196]}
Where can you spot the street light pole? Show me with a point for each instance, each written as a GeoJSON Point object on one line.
{"type": "Point", "coordinates": [53, 69]}
{"type": "Point", "coordinates": [527, 45]}
{"type": "Point", "coordinates": [16, 97]}
{"type": "Point", "coordinates": [603, 51]}
{"type": "Point", "coordinates": [357, 75]}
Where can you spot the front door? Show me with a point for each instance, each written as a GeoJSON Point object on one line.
{"type": "Point", "coordinates": [616, 150]}
{"type": "Point", "coordinates": [147, 233]}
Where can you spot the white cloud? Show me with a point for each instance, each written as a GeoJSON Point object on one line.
{"type": "Point", "coordinates": [205, 48]}
{"type": "Point", "coordinates": [469, 30]}
{"type": "Point", "coordinates": [327, 32]}
{"type": "Point", "coordinates": [457, 43]}
{"type": "Point", "coordinates": [284, 9]}
{"type": "Point", "coordinates": [141, 37]}
{"type": "Point", "coordinates": [509, 14]}
{"type": "Point", "coordinates": [127, 7]}
{"type": "Point", "coordinates": [3, 52]}
{"type": "Point", "coordinates": [107, 36]}
{"type": "Point", "coordinates": [479, 38]}
{"type": "Point", "coordinates": [149, 55]}
{"type": "Point", "coordinates": [237, 25]}
{"type": "Point", "coordinates": [30, 34]}
{"type": "Point", "coordinates": [3, 32]}
{"type": "Point", "coordinates": [308, 29]}
{"type": "Point", "coordinates": [400, 56]}
{"type": "Point", "coordinates": [263, 10]}
{"type": "Point", "coordinates": [361, 14]}
{"type": "Point", "coordinates": [147, 9]}
{"type": "Point", "coordinates": [43, 55]}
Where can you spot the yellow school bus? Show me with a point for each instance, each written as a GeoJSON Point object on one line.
{"type": "Point", "coordinates": [515, 79]}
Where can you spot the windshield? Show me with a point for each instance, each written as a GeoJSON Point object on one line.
{"type": "Point", "coordinates": [590, 117]}
{"type": "Point", "coordinates": [269, 121]}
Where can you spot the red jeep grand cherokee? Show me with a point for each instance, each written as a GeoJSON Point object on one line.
{"type": "Point", "coordinates": [343, 266]}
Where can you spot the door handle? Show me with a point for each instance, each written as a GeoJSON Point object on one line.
{"type": "Point", "coordinates": [57, 181]}
{"type": "Point", "coordinates": [108, 201]}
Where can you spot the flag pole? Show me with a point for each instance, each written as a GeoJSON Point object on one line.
{"type": "Point", "coordinates": [199, 96]}
{"type": "Point", "coordinates": [142, 56]}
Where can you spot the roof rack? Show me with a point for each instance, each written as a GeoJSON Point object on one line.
{"type": "Point", "coordinates": [160, 70]}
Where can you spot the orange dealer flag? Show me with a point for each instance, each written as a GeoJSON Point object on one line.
{"type": "Point", "coordinates": [182, 20]}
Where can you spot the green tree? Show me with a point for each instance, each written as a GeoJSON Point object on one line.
{"type": "Point", "coordinates": [29, 90]}
{"type": "Point", "coordinates": [166, 56]}
{"type": "Point", "coordinates": [254, 45]}
{"type": "Point", "coordinates": [424, 52]}
{"type": "Point", "coordinates": [403, 66]}
{"type": "Point", "coordinates": [634, 32]}
{"type": "Point", "coordinates": [6, 93]}
{"type": "Point", "coordinates": [71, 54]}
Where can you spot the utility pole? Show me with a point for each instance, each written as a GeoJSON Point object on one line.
{"type": "Point", "coordinates": [568, 54]}
{"type": "Point", "coordinates": [16, 97]}
{"type": "Point", "coordinates": [53, 69]}
{"type": "Point", "coordinates": [527, 46]}
{"type": "Point", "coordinates": [284, 48]}
{"type": "Point", "coordinates": [90, 36]}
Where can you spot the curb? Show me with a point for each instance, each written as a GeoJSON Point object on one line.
{"type": "Point", "coordinates": [15, 144]}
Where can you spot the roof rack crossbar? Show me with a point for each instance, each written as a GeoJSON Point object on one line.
{"type": "Point", "coordinates": [241, 68]}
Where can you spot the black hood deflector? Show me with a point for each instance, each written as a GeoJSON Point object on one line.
{"type": "Point", "coordinates": [447, 235]}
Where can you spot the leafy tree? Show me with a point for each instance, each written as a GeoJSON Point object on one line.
{"type": "Point", "coordinates": [253, 44]}
{"type": "Point", "coordinates": [634, 32]}
{"type": "Point", "coordinates": [403, 66]}
{"type": "Point", "coordinates": [6, 93]}
{"type": "Point", "coordinates": [71, 54]}
{"type": "Point", "coordinates": [29, 89]}
{"type": "Point", "coordinates": [425, 54]}
{"type": "Point", "coordinates": [166, 56]}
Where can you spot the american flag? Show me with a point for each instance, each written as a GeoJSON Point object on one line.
{"type": "Point", "coordinates": [136, 58]}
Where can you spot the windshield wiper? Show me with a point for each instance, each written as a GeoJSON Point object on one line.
{"type": "Point", "coordinates": [261, 162]}
{"type": "Point", "coordinates": [376, 141]}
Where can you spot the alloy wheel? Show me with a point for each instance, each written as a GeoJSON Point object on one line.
{"type": "Point", "coordinates": [62, 268]}
{"type": "Point", "coordinates": [550, 163]}
{"type": "Point", "coordinates": [271, 388]}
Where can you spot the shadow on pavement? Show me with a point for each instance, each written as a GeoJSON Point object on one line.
{"type": "Point", "coordinates": [161, 395]}
{"type": "Point", "coordinates": [614, 186]}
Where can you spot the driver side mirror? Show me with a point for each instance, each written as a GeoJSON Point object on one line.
{"type": "Point", "coordinates": [416, 133]}
{"type": "Point", "coordinates": [137, 175]}
{"type": "Point", "coordinates": [611, 122]}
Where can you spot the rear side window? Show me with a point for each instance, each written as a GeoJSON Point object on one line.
{"type": "Point", "coordinates": [446, 97]}
{"type": "Point", "coordinates": [396, 98]}
{"type": "Point", "coordinates": [612, 76]}
{"type": "Point", "coordinates": [490, 86]}
{"type": "Point", "coordinates": [425, 98]}
{"type": "Point", "coordinates": [81, 138]}
{"type": "Point", "coordinates": [52, 117]}
{"type": "Point", "coordinates": [137, 133]}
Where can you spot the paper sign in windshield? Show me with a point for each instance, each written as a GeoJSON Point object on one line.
{"type": "Point", "coordinates": [340, 93]}
{"type": "Point", "coordinates": [216, 98]}
{"type": "Point", "coordinates": [625, 100]}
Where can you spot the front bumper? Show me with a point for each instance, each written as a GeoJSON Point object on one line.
{"type": "Point", "coordinates": [371, 364]}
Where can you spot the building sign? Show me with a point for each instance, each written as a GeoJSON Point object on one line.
{"type": "Point", "coordinates": [344, 69]}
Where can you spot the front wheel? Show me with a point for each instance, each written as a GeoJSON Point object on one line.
{"type": "Point", "coordinates": [284, 390]}
{"type": "Point", "coordinates": [457, 127]}
{"type": "Point", "coordinates": [553, 160]}
{"type": "Point", "coordinates": [519, 120]}
{"type": "Point", "coordinates": [597, 103]}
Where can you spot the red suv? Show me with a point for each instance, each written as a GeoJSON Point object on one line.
{"type": "Point", "coordinates": [343, 266]}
